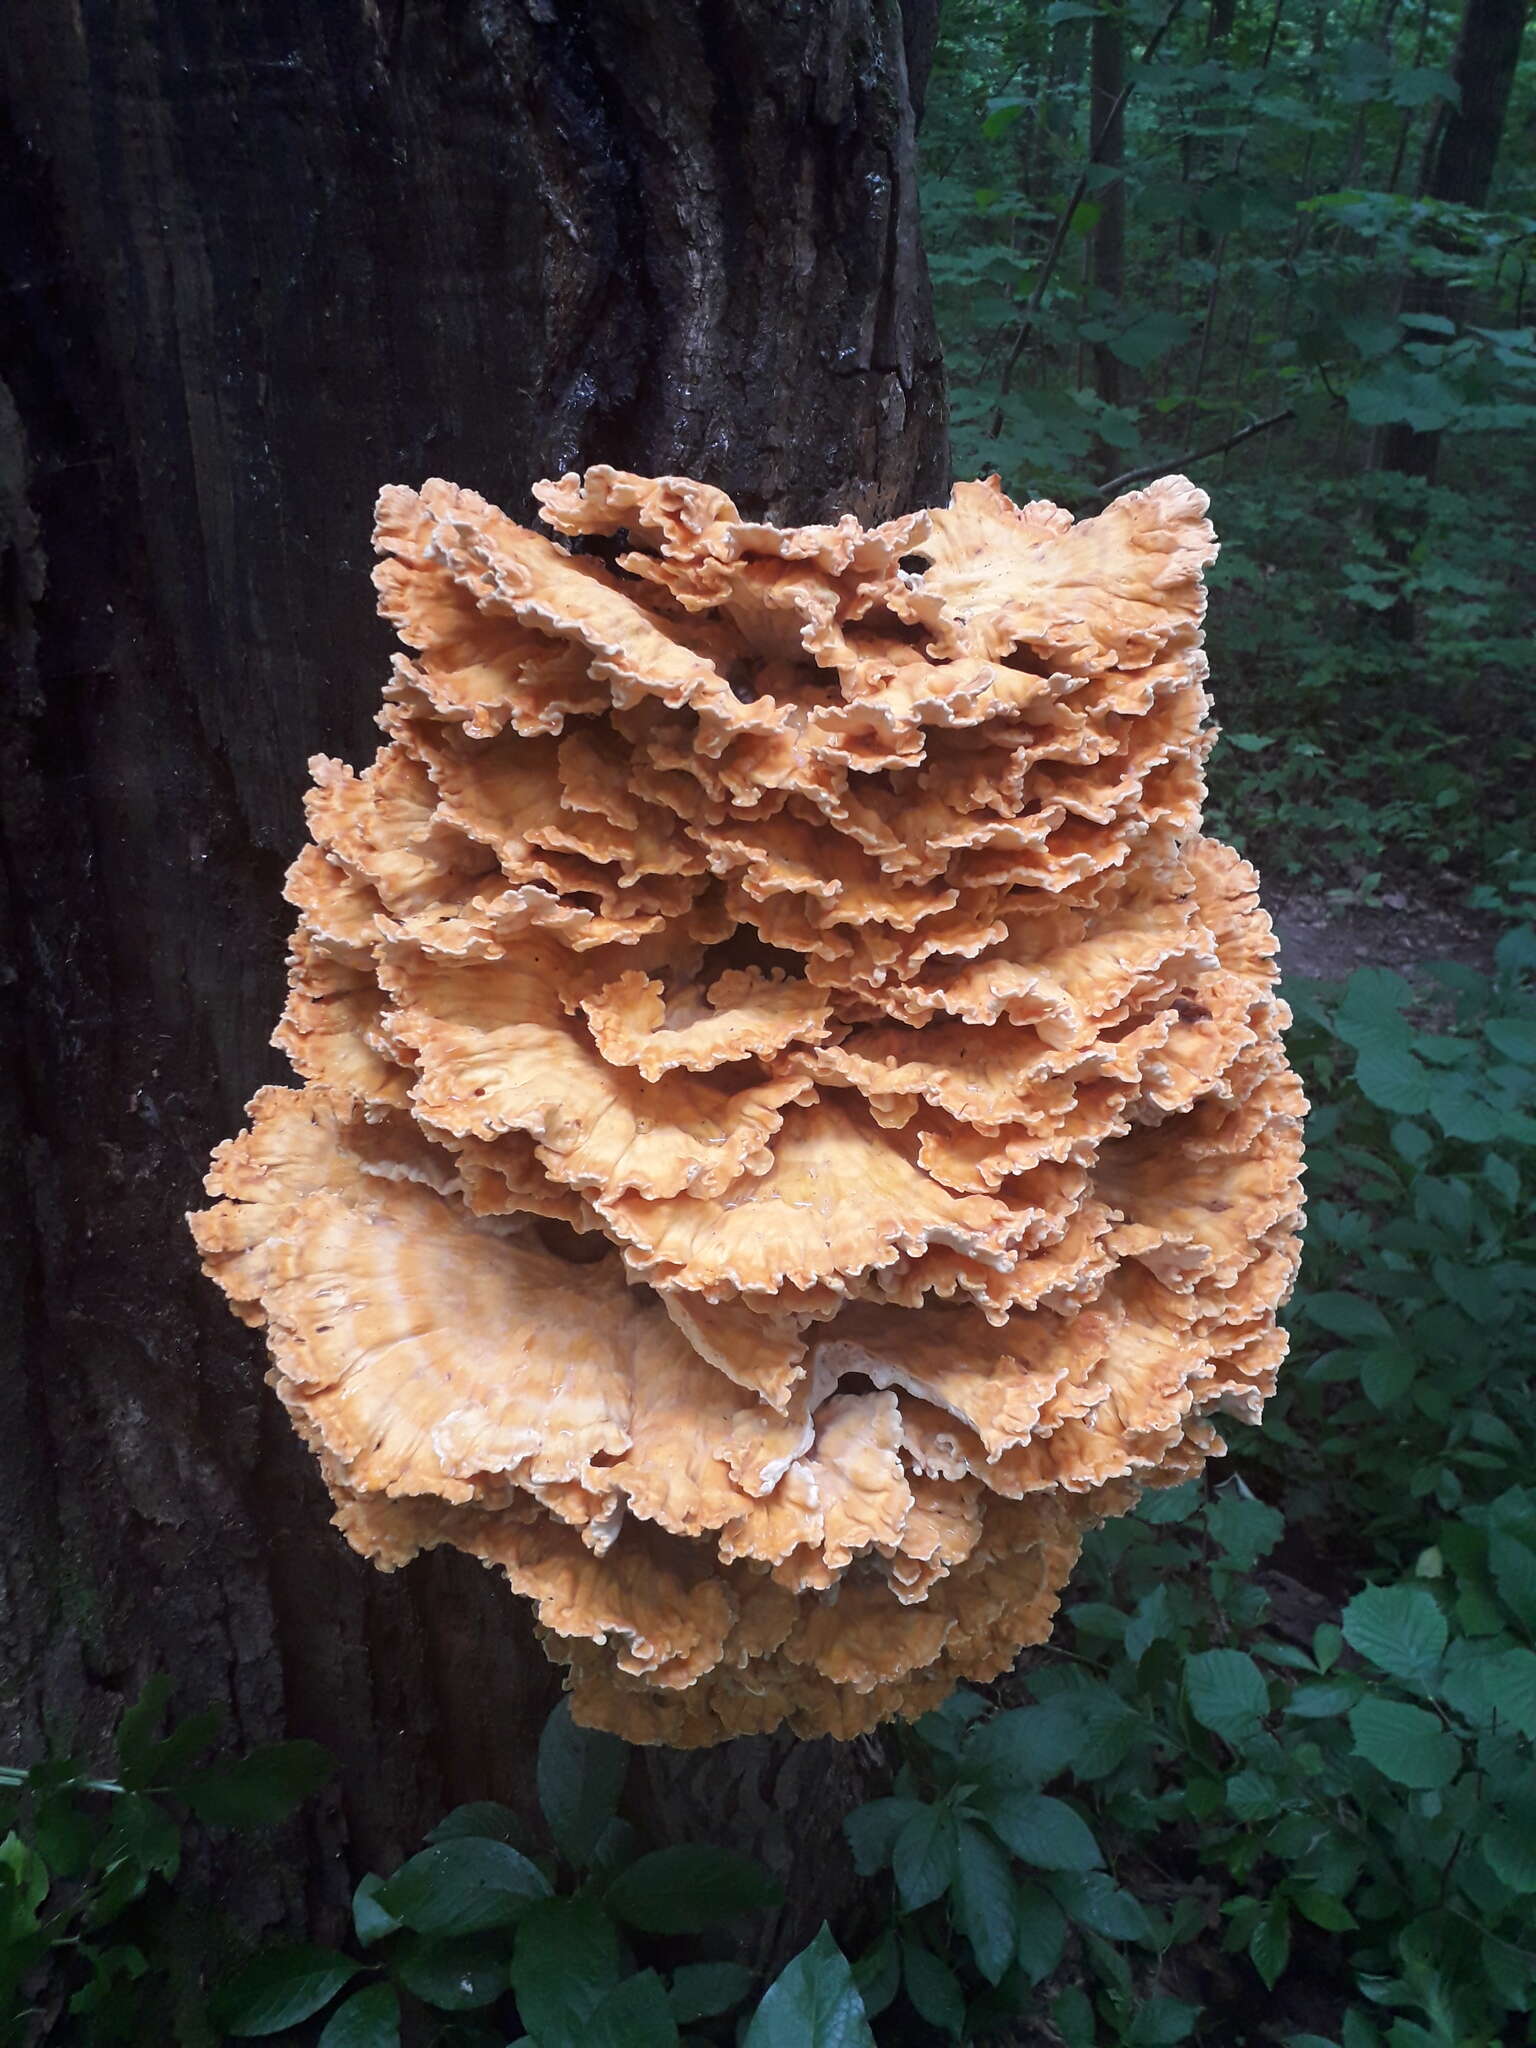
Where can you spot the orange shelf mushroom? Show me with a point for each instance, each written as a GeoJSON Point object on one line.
{"type": "Point", "coordinates": [794, 1125]}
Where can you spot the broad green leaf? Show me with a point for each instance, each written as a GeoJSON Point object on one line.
{"type": "Point", "coordinates": [463, 1886]}
{"type": "Point", "coordinates": [370, 2018]}
{"type": "Point", "coordinates": [932, 1987]}
{"type": "Point", "coordinates": [455, 1973]}
{"type": "Point", "coordinates": [683, 1890]}
{"type": "Point", "coordinates": [1347, 1315]}
{"type": "Point", "coordinates": [260, 1789]}
{"type": "Point", "coordinates": [1493, 1683]}
{"type": "Point", "coordinates": [923, 1857]}
{"type": "Point", "coordinates": [1509, 1845]}
{"type": "Point", "coordinates": [581, 1773]}
{"type": "Point", "coordinates": [634, 2014]}
{"type": "Point", "coordinates": [1270, 1943]}
{"type": "Point", "coordinates": [484, 1817]}
{"type": "Point", "coordinates": [1399, 1629]}
{"type": "Point", "coordinates": [1151, 1621]}
{"type": "Point", "coordinates": [700, 1990]}
{"type": "Point", "coordinates": [812, 2003]}
{"type": "Point", "coordinates": [982, 1901]}
{"type": "Point", "coordinates": [1227, 1692]}
{"type": "Point", "coordinates": [1041, 1831]}
{"type": "Point", "coordinates": [1041, 1931]}
{"type": "Point", "coordinates": [1095, 1901]}
{"type": "Point", "coordinates": [1244, 1528]}
{"type": "Point", "coordinates": [1406, 1744]}
{"type": "Point", "coordinates": [279, 1988]}
{"type": "Point", "coordinates": [564, 1963]}
{"type": "Point", "coordinates": [370, 1921]}
{"type": "Point", "coordinates": [1394, 1080]}
{"type": "Point", "coordinates": [872, 1830]}
{"type": "Point", "coordinates": [1161, 2022]}
{"type": "Point", "coordinates": [1513, 1565]}
{"type": "Point", "coordinates": [1323, 1909]}
{"type": "Point", "coordinates": [878, 1973]}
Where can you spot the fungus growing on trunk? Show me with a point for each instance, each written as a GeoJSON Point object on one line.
{"type": "Point", "coordinates": [795, 1127]}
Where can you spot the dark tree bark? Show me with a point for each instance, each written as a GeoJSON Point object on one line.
{"type": "Point", "coordinates": [1458, 167]}
{"type": "Point", "coordinates": [1107, 67]}
{"type": "Point", "coordinates": [264, 259]}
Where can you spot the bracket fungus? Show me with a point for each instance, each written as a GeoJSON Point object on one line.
{"type": "Point", "coordinates": [794, 1127]}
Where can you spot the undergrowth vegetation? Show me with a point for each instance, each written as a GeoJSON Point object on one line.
{"type": "Point", "coordinates": [1272, 1782]}
{"type": "Point", "coordinates": [1244, 241]}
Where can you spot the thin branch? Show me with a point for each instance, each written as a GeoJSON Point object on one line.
{"type": "Point", "coordinates": [1064, 222]}
{"type": "Point", "coordinates": [1136, 476]}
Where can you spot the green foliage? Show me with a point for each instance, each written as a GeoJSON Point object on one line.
{"type": "Point", "coordinates": [1370, 630]}
{"type": "Point", "coordinates": [93, 1934]}
{"type": "Point", "coordinates": [1213, 1796]}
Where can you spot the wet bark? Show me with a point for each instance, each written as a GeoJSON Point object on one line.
{"type": "Point", "coordinates": [262, 260]}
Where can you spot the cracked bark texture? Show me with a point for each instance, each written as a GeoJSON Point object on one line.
{"type": "Point", "coordinates": [261, 260]}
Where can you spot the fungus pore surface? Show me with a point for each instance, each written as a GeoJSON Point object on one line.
{"type": "Point", "coordinates": [793, 1125]}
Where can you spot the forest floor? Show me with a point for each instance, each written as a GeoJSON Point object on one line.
{"type": "Point", "coordinates": [1326, 941]}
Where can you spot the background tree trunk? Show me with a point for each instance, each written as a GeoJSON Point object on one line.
{"type": "Point", "coordinates": [265, 259]}
{"type": "Point", "coordinates": [1458, 165]}
{"type": "Point", "coordinates": [1107, 139]}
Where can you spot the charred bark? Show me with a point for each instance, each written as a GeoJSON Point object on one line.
{"type": "Point", "coordinates": [263, 260]}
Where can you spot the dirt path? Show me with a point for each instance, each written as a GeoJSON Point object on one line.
{"type": "Point", "coordinates": [1326, 942]}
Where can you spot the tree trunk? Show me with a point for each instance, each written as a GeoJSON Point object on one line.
{"type": "Point", "coordinates": [264, 260]}
{"type": "Point", "coordinates": [1107, 61]}
{"type": "Point", "coordinates": [1458, 167]}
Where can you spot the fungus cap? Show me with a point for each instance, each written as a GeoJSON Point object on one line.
{"type": "Point", "coordinates": [794, 1126]}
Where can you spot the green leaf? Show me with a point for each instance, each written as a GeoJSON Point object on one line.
{"type": "Point", "coordinates": [1095, 1901]}
{"type": "Point", "coordinates": [923, 1858]}
{"type": "Point", "coordinates": [683, 1890]}
{"type": "Point", "coordinates": [872, 1830]}
{"type": "Point", "coordinates": [1513, 1037]}
{"type": "Point", "coordinates": [280, 1987]}
{"type": "Point", "coordinates": [1323, 1909]}
{"type": "Point", "coordinates": [370, 2018]}
{"type": "Point", "coordinates": [482, 1817]}
{"type": "Point", "coordinates": [983, 1901]}
{"type": "Point", "coordinates": [260, 1789]}
{"type": "Point", "coordinates": [1041, 1932]}
{"type": "Point", "coordinates": [463, 1886]}
{"type": "Point", "coordinates": [564, 1963]}
{"type": "Point", "coordinates": [1152, 1620]}
{"type": "Point", "coordinates": [700, 1990]}
{"type": "Point", "coordinates": [1147, 338]}
{"type": "Point", "coordinates": [1347, 1315]}
{"type": "Point", "coordinates": [635, 2014]}
{"type": "Point", "coordinates": [1399, 1629]}
{"type": "Point", "coordinates": [1513, 1565]}
{"type": "Point", "coordinates": [1244, 1528]}
{"type": "Point", "coordinates": [1043, 1832]}
{"type": "Point", "coordinates": [1160, 2022]}
{"type": "Point", "coordinates": [1227, 1692]}
{"type": "Point", "coordinates": [932, 1987]}
{"type": "Point", "coordinates": [581, 1773]}
{"type": "Point", "coordinates": [1024, 1746]}
{"type": "Point", "coordinates": [370, 1922]}
{"type": "Point", "coordinates": [1269, 1945]}
{"type": "Point", "coordinates": [878, 1973]}
{"type": "Point", "coordinates": [812, 2003]}
{"type": "Point", "coordinates": [454, 1974]}
{"type": "Point", "coordinates": [1394, 1080]}
{"type": "Point", "coordinates": [1405, 1743]}
{"type": "Point", "coordinates": [1502, 1683]}
{"type": "Point", "coordinates": [1509, 1847]}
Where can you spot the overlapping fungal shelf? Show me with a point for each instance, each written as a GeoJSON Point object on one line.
{"type": "Point", "coordinates": [794, 1128]}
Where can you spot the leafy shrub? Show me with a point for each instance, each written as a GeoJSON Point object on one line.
{"type": "Point", "coordinates": [91, 1925]}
